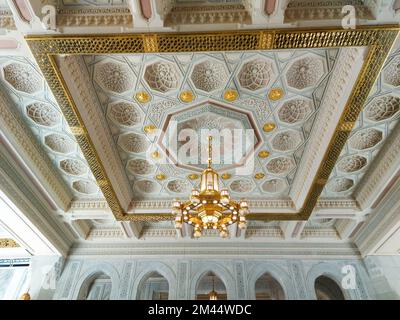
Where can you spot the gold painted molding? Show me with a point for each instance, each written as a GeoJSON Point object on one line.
{"type": "Point", "coordinates": [379, 40]}
{"type": "Point", "coordinates": [8, 243]}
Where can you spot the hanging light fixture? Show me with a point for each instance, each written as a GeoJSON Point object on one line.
{"type": "Point", "coordinates": [210, 207]}
{"type": "Point", "coordinates": [213, 295]}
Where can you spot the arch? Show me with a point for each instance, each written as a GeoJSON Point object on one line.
{"type": "Point", "coordinates": [208, 282]}
{"type": "Point", "coordinates": [329, 270]}
{"type": "Point", "coordinates": [221, 272]}
{"type": "Point", "coordinates": [278, 273]}
{"type": "Point", "coordinates": [151, 284]}
{"type": "Point", "coordinates": [160, 268]}
{"type": "Point", "coordinates": [268, 288]}
{"type": "Point", "coordinates": [327, 289]}
{"type": "Point", "coordinates": [87, 277]}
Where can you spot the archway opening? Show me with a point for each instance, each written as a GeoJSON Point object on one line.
{"type": "Point", "coordinates": [154, 287]}
{"type": "Point", "coordinates": [98, 287]}
{"type": "Point", "coordinates": [327, 289]}
{"type": "Point", "coordinates": [268, 288]}
{"type": "Point", "coordinates": [210, 287]}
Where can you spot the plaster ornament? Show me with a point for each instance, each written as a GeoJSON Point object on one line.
{"type": "Point", "coordinates": [259, 175]}
{"type": "Point", "coordinates": [156, 110]}
{"type": "Point", "coordinates": [147, 186]}
{"type": "Point", "coordinates": [209, 76]}
{"type": "Point", "coordinates": [268, 127]}
{"type": "Point", "coordinates": [231, 95]}
{"type": "Point", "coordinates": [294, 111]}
{"type": "Point", "coordinates": [85, 186]}
{"type": "Point", "coordinates": [186, 96]}
{"type": "Point", "coordinates": [114, 76]}
{"type": "Point", "coordinates": [73, 166]}
{"type": "Point", "coordinates": [352, 163]}
{"type": "Point", "coordinates": [286, 140]}
{"type": "Point", "coordinates": [43, 114]}
{"type": "Point", "coordinates": [142, 97]}
{"type": "Point", "coordinates": [275, 94]}
{"type": "Point", "coordinates": [133, 142]}
{"type": "Point", "coordinates": [140, 166]}
{"type": "Point", "coordinates": [226, 176]}
{"type": "Point", "coordinates": [365, 139]}
{"type": "Point", "coordinates": [162, 76]}
{"type": "Point", "coordinates": [161, 177]}
{"type": "Point", "coordinates": [149, 128]}
{"type": "Point", "coordinates": [382, 108]}
{"type": "Point", "coordinates": [255, 74]}
{"type": "Point", "coordinates": [59, 143]}
{"type": "Point", "coordinates": [193, 176]}
{"type": "Point", "coordinates": [179, 186]}
{"type": "Point", "coordinates": [391, 74]}
{"type": "Point", "coordinates": [274, 186]}
{"type": "Point", "coordinates": [304, 73]}
{"type": "Point", "coordinates": [340, 184]}
{"type": "Point", "coordinates": [241, 185]}
{"type": "Point", "coordinates": [125, 114]}
{"type": "Point", "coordinates": [23, 77]}
{"type": "Point", "coordinates": [280, 165]}
{"type": "Point", "coordinates": [263, 154]}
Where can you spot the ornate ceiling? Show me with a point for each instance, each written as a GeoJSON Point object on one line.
{"type": "Point", "coordinates": [302, 75]}
{"type": "Point", "coordinates": [292, 99]}
{"type": "Point", "coordinates": [35, 105]}
{"type": "Point", "coordinates": [374, 125]}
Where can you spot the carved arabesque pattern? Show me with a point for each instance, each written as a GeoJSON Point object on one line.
{"type": "Point", "coordinates": [23, 77]}
{"type": "Point", "coordinates": [209, 75]}
{"type": "Point", "coordinates": [162, 76]}
{"type": "Point", "coordinates": [43, 114]}
{"type": "Point", "coordinates": [294, 111]}
{"type": "Point", "coordinates": [255, 74]}
{"type": "Point", "coordinates": [383, 108]}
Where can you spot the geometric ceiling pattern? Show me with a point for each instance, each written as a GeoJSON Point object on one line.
{"type": "Point", "coordinates": [36, 107]}
{"type": "Point", "coordinates": [302, 75]}
{"type": "Point", "coordinates": [374, 124]}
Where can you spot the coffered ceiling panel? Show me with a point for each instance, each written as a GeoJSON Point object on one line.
{"type": "Point", "coordinates": [34, 103]}
{"type": "Point", "coordinates": [374, 125]}
{"type": "Point", "coordinates": [278, 96]}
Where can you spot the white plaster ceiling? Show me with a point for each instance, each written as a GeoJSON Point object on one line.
{"type": "Point", "coordinates": [35, 105]}
{"type": "Point", "coordinates": [374, 125]}
{"type": "Point", "coordinates": [302, 74]}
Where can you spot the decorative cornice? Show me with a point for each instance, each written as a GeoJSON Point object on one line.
{"type": "Point", "coordinates": [6, 19]}
{"type": "Point", "coordinates": [234, 13]}
{"type": "Point", "coordinates": [77, 78]}
{"type": "Point", "coordinates": [8, 243]}
{"type": "Point", "coordinates": [326, 121]}
{"type": "Point", "coordinates": [32, 153]}
{"type": "Point", "coordinates": [303, 10]}
{"type": "Point", "coordinates": [380, 222]}
{"type": "Point", "coordinates": [376, 178]}
{"type": "Point", "coordinates": [199, 249]}
{"type": "Point", "coordinates": [93, 17]}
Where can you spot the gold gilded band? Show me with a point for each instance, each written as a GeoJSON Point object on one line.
{"type": "Point", "coordinates": [379, 40]}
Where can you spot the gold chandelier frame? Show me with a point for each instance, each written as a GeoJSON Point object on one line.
{"type": "Point", "coordinates": [378, 39]}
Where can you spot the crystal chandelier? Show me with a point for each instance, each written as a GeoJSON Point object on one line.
{"type": "Point", "coordinates": [210, 207]}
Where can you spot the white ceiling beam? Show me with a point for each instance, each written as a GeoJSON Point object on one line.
{"type": "Point", "coordinates": [131, 229]}
{"type": "Point", "coordinates": [292, 229]}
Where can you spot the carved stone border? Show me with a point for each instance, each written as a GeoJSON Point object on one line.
{"type": "Point", "coordinates": [379, 40]}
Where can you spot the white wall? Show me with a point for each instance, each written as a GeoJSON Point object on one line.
{"type": "Point", "coordinates": [13, 281]}
{"type": "Point", "coordinates": [239, 276]}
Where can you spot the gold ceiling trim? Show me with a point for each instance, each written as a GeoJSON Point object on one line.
{"type": "Point", "coordinates": [8, 243]}
{"type": "Point", "coordinates": [379, 39]}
